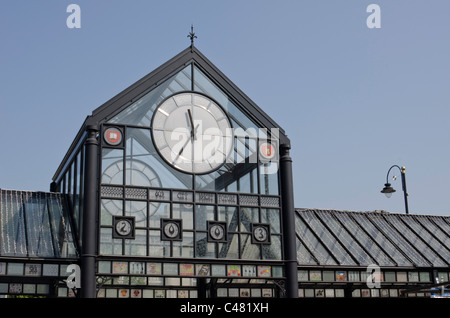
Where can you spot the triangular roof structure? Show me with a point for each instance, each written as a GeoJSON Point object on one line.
{"type": "Point", "coordinates": [190, 55]}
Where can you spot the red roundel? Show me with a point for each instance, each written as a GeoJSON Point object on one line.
{"type": "Point", "coordinates": [113, 136]}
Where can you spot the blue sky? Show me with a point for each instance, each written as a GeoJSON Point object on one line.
{"type": "Point", "coordinates": [353, 100]}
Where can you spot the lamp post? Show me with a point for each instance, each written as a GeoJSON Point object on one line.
{"type": "Point", "coordinates": [388, 190]}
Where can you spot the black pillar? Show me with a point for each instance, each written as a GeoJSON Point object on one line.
{"type": "Point", "coordinates": [89, 239]}
{"type": "Point", "coordinates": [290, 248]}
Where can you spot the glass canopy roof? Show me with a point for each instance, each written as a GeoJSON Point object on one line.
{"type": "Point", "coordinates": [338, 238]}
{"type": "Point", "coordinates": [35, 224]}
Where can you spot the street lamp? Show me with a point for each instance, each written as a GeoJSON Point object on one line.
{"type": "Point", "coordinates": [388, 190]}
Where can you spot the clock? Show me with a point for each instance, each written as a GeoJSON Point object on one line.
{"type": "Point", "coordinates": [261, 233]}
{"type": "Point", "coordinates": [123, 227]}
{"type": "Point", "coordinates": [217, 232]}
{"type": "Point", "coordinates": [192, 133]}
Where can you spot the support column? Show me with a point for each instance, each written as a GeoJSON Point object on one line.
{"type": "Point", "coordinates": [290, 248]}
{"type": "Point", "coordinates": [89, 239]}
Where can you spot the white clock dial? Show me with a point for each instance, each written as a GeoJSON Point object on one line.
{"type": "Point", "coordinates": [192, 133]}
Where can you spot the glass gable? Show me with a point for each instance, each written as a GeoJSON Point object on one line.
{"type": "Point", "coordinates": [134, 169]}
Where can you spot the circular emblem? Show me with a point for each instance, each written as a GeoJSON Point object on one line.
{"type": "Point", "coordinates": [260, 233]}
{"type": "Point", "coordinates": [267, 150]}
{"type": "Point", "coordinates": [113, 136]}
{"type": "Point", "coordinates": [217, 232]}
{"type": "Point", "coordinates": [123, 227]}
{"type": "Point", "coordinates": [171, 230]}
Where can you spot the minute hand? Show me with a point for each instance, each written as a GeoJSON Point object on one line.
{"type": "Point", "coordinates": [193, 131]}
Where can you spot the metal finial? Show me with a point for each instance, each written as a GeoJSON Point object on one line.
{"type": "Point", "coordinates": [192, 35]}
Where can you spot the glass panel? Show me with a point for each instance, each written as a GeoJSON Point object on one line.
{"type": "Point", "coordinates": [140, 112]}
{"type": "Point", "coordinates": [203, 213]}
{"type": "Point", "coordinates": [186, 213]}
{"type": "Point", "coordinates": [308, 238]}
{"type": "Point", "coordinates": [203, 248]}
{"type": "Point", "coordinates": [416, 241]}
{"type": "Point", "coordinates": [186, 247]}
{"type": "Point", "coordinates": [344, 237]}
{"type": "Point", "coordinates": [249, 250]}
{"type": "Point", "coordinates": [12, 231]}
{"type": "Point", "coordinates": [203, 84]}
{"type": "Point", "coordinates": [230, 249]}
{"type": "Point", "coordinates": [138, 209]}
{"type": "Point", "coordinates": [378, 254]}
{"type": "Point", "coordinates": [112, 166]}
{"type": "Point", "coordinates": [108, 245]}
{"type": "Point", "coordinates": [272, 251]}
{"type": "Point", "coordinates": [272, 217]}
{"type": "Point", "coordinates": [110, 208]}
{"type": "Point", "coordinates": [38, 225]}
{"type": "Point", "coordinates": [158, 212]}
{"type": "Point", "coordinates": [62, 232]}
{"type": "Point", "coordinates": [399, 241]}
{"type": "Point", "coordinates": [324, 235]}
{"type": "Point", "coordinates": [138, 246]}
{"type": "Point", "coordinates": [382, 241]}
{"type": "Point", "coordinates": [269, 178]}
{"type": "Point", "coordinates": [230, 215]}
{"type": "Point", "coordinates": [248, 216]}
{"type": "Point", "coordinates": [146, 168]}
{"type": "Point", "coordinates": [304, 257]}
{"type": "Point", "coordinates": [442, 236]}
{"type": "Point", "coordinates": [158, 248]}
{"type": "Point", "coordinates": [437, 245]}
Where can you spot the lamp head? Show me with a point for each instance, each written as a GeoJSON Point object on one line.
{"type": "Point", "coordinates": [388, 190]}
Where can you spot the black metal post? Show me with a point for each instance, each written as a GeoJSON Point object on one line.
{"type": "Point", "coordinates": [288, 209]}
{"type": "Point", "coordinates": [405, 194]}
{"type": "Point", "coordinates": [89, 239]}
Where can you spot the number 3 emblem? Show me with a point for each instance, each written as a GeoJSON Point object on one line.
{"type": "Point", "coordinates": [261, 233]}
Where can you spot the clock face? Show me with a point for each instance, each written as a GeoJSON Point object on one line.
{"type": "Point", "coordinates": [192, 133]}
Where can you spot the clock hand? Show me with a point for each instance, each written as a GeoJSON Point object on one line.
{"type": "Point", "coordinates": [192, 124]}
{"type": "Point", "coordinates": [181, 150]}
{"type": "Point", "coordinates": [195, 131]}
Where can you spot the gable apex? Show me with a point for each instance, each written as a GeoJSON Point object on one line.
{"type": "Point", "coordinates": [190, 55]}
